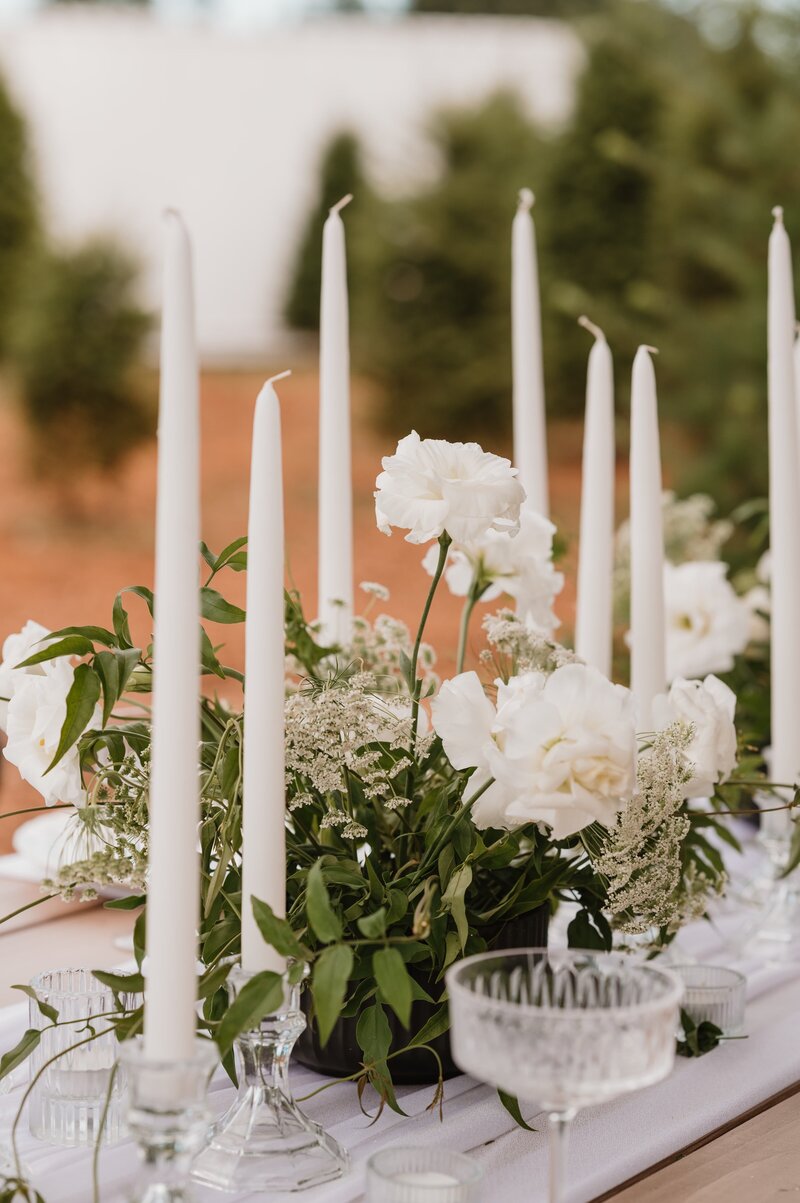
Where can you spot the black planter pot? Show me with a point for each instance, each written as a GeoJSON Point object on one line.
{"type": "Point", "coordinates": [341, 1056]}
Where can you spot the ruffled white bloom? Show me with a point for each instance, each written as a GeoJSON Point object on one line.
{"type": "Point", "coordinates": [561, 748]}
{"type": "Point", "coordinates": [36, 715]}
{"type": "Point", "coordinates": [429, 486]}
{"type": "Point", "coordinates": [19, 647]}
{"type": "Point", "coordinates": [708, 707]}
{"type": "Point", "coordinates": [707, 623]}
{"type": "Point", "coordinates": [519, 565]}
{"type": "Point", "coordinates": [759, 605]}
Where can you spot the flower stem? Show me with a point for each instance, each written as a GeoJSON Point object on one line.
{"type": "Point", "coordinates": [414, 683]}
{"type": "Point", "coordinates": [476, 592]}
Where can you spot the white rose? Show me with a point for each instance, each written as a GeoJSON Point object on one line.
{"type": "Point", "coordinates": [429, 486]}
{"type": "Point", "coordinates": [519, 565]}
{"type": "Point", "coordinates": [18, 647]}
{"type": "Point", "coordinates": [36, 715]}
{"type": "Point", "coordinates": [759, 604]}
{"type": "Point", "coordinates": [709, 706]}
{"type": "Point", "coordinates": [707, 624]}
{"type": "Point", "coordinates": [561, 748]}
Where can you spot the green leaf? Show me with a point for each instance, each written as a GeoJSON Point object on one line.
{"type": "Point", "coordinates": [794, 850]}
{"type": "Point", "coordinates": [260, 996]}
{"type": "Point", "coordinates": [373, 1034]}
{"type": "Point", "coordinates": [126, 904]}
{"type": "Point", "coordinates": [96, 634]}
{"type": "Point", "coordinates": [120, 983]}
{"type": "Point", "coordinates": [588, 930]}
{"type": "Point", "coordinates": [19, 1053]}
{"type": "Point", "coordinates": [323, 919]}
{"type": "Point", "coordinates": [208, 657]}
{"type": "Point", "coordinates": [512, 1107]}
{"type": "Point", "coordinates": [699, 1039]}
{"type": "Point", "coordinates": [394, 984]}
{"type": "Point", "coordinates": [45, 1009]}
{"type": "Point", "coordinates": [71, 645]}
{"type": "Point", "coordinates": [214, 607]}
{"type": "Point", "coordinates": [278, 932]}
{"type": "Point", "coordinates": [437, 1025]}
{"type": "Point", "coordinates": [332, 971]}
{"type": "Point", "coordinates": [373, 926]}
{"type": "Point", "coordinates": [114, 670]}
{"type": "Point", "coordinates": [119, 614]}
{"type": "Point", "coordinates": [81, 701]}
{"type": "Point", "coordinates": [453, 900]}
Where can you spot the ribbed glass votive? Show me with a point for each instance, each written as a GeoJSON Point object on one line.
{"type": "Point", "coordinates": [421, 1175]}
{"type": "Point", "coordinates": [714, 994]}
{"type": "Point", "coordinates": [67, 1103]}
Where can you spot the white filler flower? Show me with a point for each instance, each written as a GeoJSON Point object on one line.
{"type": "Point", "coordinates": [708, 625]}
{"type": "Point", "coordinates": [430, 486]}
{"type": "Point", "coordinates": [561, 748]}
{"type": "Point", "coordinates": [520, 566]}
{"type": "Point", "coordinates": [18, 647]}
{"type": "Point", "coordinates": [708, 707]}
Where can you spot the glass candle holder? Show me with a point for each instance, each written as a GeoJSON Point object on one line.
{"type": "Point", "coordinates": [68, 1101]}
{"type": "Point", "coordinates": [421, 1175]}
{"type": "Point", "coordinates": [714, 994]}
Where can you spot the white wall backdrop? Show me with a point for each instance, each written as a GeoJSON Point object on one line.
{"type": "Point", "coordinates": [129, 115]}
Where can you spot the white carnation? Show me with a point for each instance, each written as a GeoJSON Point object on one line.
{"type": "Point", "coordinates": [36, 715]}
{"type": "Point", "coordinates": [19, 647]}
{"type": "Point", "coordinates": [520, 566]}
{"type": "Point", "coordinates": [708, 625]}
{"type": "Point", "coordinates": [430, 486]}
{"type": "Point", "coordinates": [561, 748]}
{"type": "Point", "coordinates": [708, 707]}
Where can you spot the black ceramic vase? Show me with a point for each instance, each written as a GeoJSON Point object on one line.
{"type": "Point", "coordinates": [341, 1056]}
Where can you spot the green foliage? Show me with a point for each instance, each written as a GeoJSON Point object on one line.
{"type": "Point", "coordinates": [18, 210]}
{"type": "Point", "coordinates": [77, 344]}
{"type": "Point", "coordinates": [341, 172]}
{"type": "Point", "coordinates": [698, 1038]}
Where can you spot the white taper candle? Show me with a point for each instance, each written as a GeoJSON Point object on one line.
{"type": "Point", "coordinates": [335, 600]}
{"type": "Point", "coordinates": [173, 886]}
{"type": "Point", "coordinates": [530, 434]}
{"type": "Point", "coordinates": [263, 831]}
{"type": "Point", "coordinates": [594, 618]}
{"type": "Point", "coordinates": [784, 521]}
{"type": "Point", "coordinates": [648, 635]}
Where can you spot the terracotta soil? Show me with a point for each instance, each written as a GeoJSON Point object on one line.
{"type": "Point", "coordinates": [62, 571]}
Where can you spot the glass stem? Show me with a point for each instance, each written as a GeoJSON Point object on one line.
{"type": "Point", "coordinates": [559, 1125]}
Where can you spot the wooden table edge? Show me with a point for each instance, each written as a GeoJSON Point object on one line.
{"type": "Point", "coordinates": [757, 1109]}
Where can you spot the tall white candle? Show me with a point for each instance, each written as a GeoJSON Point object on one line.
{"type": "Point", "coordinates": [784, 521]}
{"type": "Point", "coordinates": [594, 620]}
{"type": "Point", "coordinates": [530, 436]}
{"type": "Point", "coordinates": [263, 831]}
{"type": "Point", "coordinates": [648, 657]}
{"type": "Point", "coordinates": [173, 888]}
{"type": "Point", "coordinates": [335, 606]}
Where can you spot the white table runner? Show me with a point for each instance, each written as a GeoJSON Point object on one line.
{"type": "Point", "coordinates": [609, 1144]}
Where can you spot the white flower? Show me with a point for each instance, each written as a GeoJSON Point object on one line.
{"type": "Point", "coordinates": [375, 589]}
{"type": "Point", "coordinates": [759, 603]}
{"type": "Point", "coordinates": [519, 565]}
{"type": "Point", "coordinates": [36, 715]}
{"type": "Point", "coordinates": [19, 647]}
{"type": "Point", "coordinates": [764, 568]}
{"type": "Point", "coordinates": [561, 748]}
{"type": "Point", "coordinates": [430, 486]}
{"type": "Point", "coordinates": [707, 624]}
{"type": "Point", "coordinates": [708, 707]}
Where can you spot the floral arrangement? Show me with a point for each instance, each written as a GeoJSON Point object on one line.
{"type": "Point", "coordinates": [422, 817]}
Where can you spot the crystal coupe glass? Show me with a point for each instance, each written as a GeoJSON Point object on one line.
{"type": "Point", "coordinates": [563, 1029]}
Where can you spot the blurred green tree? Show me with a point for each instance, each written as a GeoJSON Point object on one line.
{"type": "Point", "coordinates": [76, 349]}
{"type": "Point", "coordinates": [18, 209]}
{"type": "Point", "coordinates": [341, 171]}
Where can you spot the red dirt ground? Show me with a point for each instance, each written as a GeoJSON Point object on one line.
{"type": "Point", "coordinates": [61, 572]}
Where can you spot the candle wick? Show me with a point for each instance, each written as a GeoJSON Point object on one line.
{"type": "Point", "coordinates": [591, 327]}
{"type": "Point", "coordinates": [280, 376]}
{"type": "Point", "coordinates": [777, 213]}
{"type": "Point", "coordinates": [526, 200]}
{"type": "Point", "coordinates": [337, 208]}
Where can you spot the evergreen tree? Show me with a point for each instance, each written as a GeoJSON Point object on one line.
{"type": "Point", "coordinates": [18, 210]}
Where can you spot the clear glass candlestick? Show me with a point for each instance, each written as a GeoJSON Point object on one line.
{"type": "Point", "coordinates": [714, 994]}
{"type": "Point", "coordinates": [563, 1029]}
{"type": "Point", "coordinates": [422, 1175]}
{"type": "Point", "coordinates": [264, 1142]}
{"type": "Point", "coordinates": [169, 1117]}
{"type": "Point", "coordinates": [77, 1089]}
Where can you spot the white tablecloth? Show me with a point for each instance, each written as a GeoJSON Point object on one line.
{"type": "Point", "coordinates": [608, 1145]}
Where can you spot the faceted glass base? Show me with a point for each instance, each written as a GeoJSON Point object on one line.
{"type": "Point", "coordinates": [264, 1142]}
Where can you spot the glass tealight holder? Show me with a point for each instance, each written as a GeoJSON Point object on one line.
{"type": "Point", "coordinates": [422, 1175]}
{"type": "Point", "coordinates": [715, 995]}
{"type": "Point", "coordinates": [76, 1087]}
